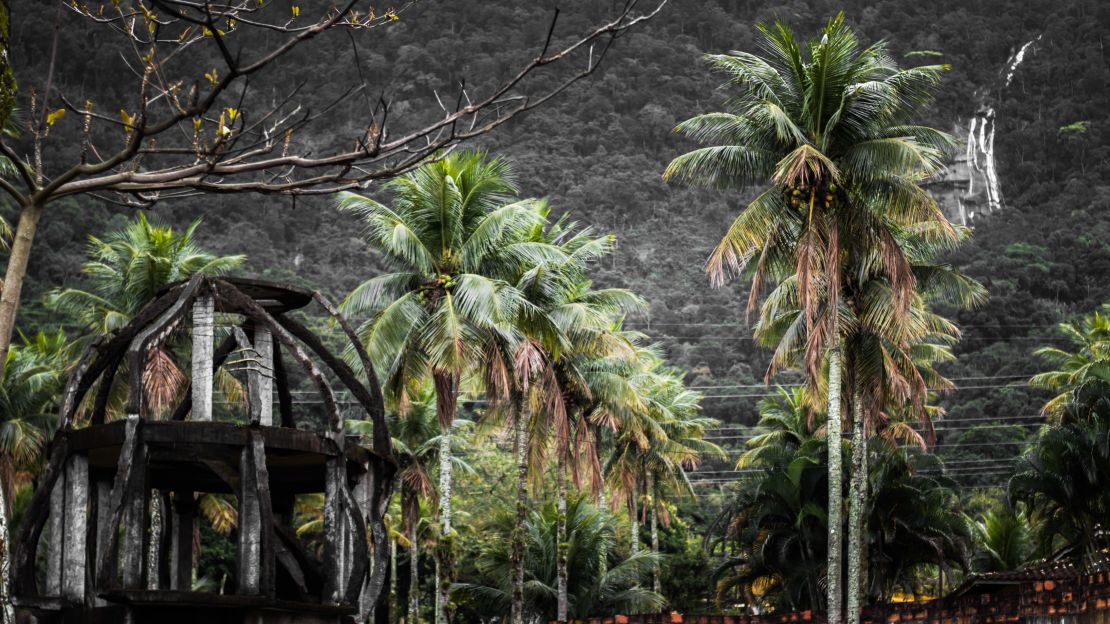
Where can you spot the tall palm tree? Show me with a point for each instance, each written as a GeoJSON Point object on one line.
{"type": "Point", "coordinates": [655, 448]}
{"type": "Point", "coordinates": [552, 390]}
{"type": "Point", "coordinates": [825, 123]}
{"type": "Point", "coordinates": [452, 235]}
{"type": "Point", "coordinates": [124, 271]}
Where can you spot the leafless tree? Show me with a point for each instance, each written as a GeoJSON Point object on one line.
{"type": "Point", "coordinates": [195, 123]}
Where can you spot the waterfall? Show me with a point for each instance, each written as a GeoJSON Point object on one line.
{"type": "Point", "coordinates": [971, 183]}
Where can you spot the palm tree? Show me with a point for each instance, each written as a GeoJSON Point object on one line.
{"type": "Point", "coordinates": [825, 124]}
{"type": "Point", "coordinates": [776, 525]}
{"type": "Point", "coordinates": [123, 273]}
{"type": "Point", "coordinates": [569, 324]}
{"type": "Point", "coordinates": [1083, 373]}
{"type": "Point", "coordinates": [654, 449]}
{"type": "Point", "coordinates": [785, 420]}
{"type": "Point", "coordinates": [1004, 539]}
{"type": "Point", "coordinates": [1065, 480]}
{"type": "Point", "coordinates": [29, 390]}
{"type": "Point", "coordinates": [591, 533]}
{"type": "Point", "coordinates": [452, 236]}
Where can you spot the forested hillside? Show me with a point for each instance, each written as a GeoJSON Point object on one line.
{"type": "Point", "coordinates": [599, 150]}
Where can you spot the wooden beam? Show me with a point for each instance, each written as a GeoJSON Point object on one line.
{"type": "Point", "coordinates": [55, 545]}
{"type": "Point", "coordinates": [204, 315]}
{"type": "Point", "coordinates": [104, 391]}
{"type": "Point", "coordinates": [266, 565]}
{"type": "Point", "coordinates": [103, 526]}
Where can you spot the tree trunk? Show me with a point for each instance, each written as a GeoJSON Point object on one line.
{"type": "Point", "coordinates": [857, 500]}
{"type": "Point", "coordinates": [414, 574]}
{"type": "Point", "coordinates": [655, 584]}
{"type": "Point", "coordinates": [519, 545]}
{"type": "Point", "coordinates": [602, 552]}
{"type": "Point", "coordinates": [835, 589]}
{"type": "Point", "coordinates": [394, 607]}
{"type": "Point", "coordinates": [7, 613]}
{"type": "Point", "coordinates": [443, 582]}
{"type": "Point", "coordinates": [13, 279]}
{"type": "Point", "coordinates": [447, 394]}
{"type": "Point", "coordinates": [562, 547]}
{"type": "Point", "coordinates": [634, 517]}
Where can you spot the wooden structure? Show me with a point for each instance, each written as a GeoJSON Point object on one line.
{"type": "Point", "coordinates": [116, 510]}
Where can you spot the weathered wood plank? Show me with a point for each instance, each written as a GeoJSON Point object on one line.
{"type": "Point", "coordinates": [69, 395]}
{"type": "Point", "coordinates": [55, 545]}
{"type": "Point", "coordinates": [250, 525]}
{"type": "Point", "coordinates": [103, 526]}
{"type": "Point", "coordinates": [203, 356]}
{"type": "Point", "coordinates": [356, 575]}
{"type": "Point", "coordinates": [334, 566]}
{"type": "Point", "coordinates": [76, 527]}
{"type": "Point", "coordinates": [266, 567]}
{"type": "Point", "coordinates": [104, 391]}
{"type": "Point", "coordinates": [135, 503]}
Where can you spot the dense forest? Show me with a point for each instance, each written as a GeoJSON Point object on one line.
{"type": "Point", "coordinates": [598, 153]}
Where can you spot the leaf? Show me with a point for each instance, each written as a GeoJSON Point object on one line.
{"type": "Point", "coordinates": [296, 10]}
{"type": "Point", "coordinates": [128, 120]}
{"type": "Point", "coordinates": [54, 115]}
{"type": "Point", "coordinates": [212, 77]}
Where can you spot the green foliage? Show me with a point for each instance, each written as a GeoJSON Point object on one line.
{"type": "Point", "coordinates": [775, 534]}
{"type": "Point", "coordinates": [590, 532]}
{"type": "Point", "coordinates": [29, 393]}
{"type": "Point", "coordinates": [128, 267]}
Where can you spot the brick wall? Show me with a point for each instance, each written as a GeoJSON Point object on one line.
{"type": "Point", "coordinates": [1082, 599]}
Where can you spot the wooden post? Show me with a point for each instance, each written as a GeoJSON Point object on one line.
{"type": "Point", "coordinates": [135, 521]}
{"type": "Point", "coordinates": [261, 378]}
{"type": "Point", "coordinates": [250, 524]}
{"type": "Point", "coordinates": [181, 546]}
{"type": "Point", "coordinates": [76, 527]}
{"type": "Point", "coordinates": [56, 545]}
{"type": "Point", "coordinates": [103, 526]}
{"type": "Point", "coordinates": [334, 551]}
{"type": "Point", "coordinates": [203, 337]}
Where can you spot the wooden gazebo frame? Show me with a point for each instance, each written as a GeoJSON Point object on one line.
{"type": "Point", "coordinates": [113, 552]}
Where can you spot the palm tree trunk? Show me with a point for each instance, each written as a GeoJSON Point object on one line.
{"type": "Point", "coordinates": [857, 498]}
{"type": "Point", "coordinates": [443, 567]}
{"type": "Point", "coordinates": [7, 612]}
{"type": "Point", "coordinates": [563, 602]}
{"type": "Point", "coordinates": [634, 517]}
{"type": "Point", "coordinates": [447, 395]}
{"type": "Point", "coordinates": [602, 552]}
{"type": "Point", "coordinates": [835, 590]}
{"type": "Point", "coordinates": [518, 546]}
{"type": "Point", "coordinates": [414, 573]}
{"type": "Point", "coordinates": [655, 584]}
